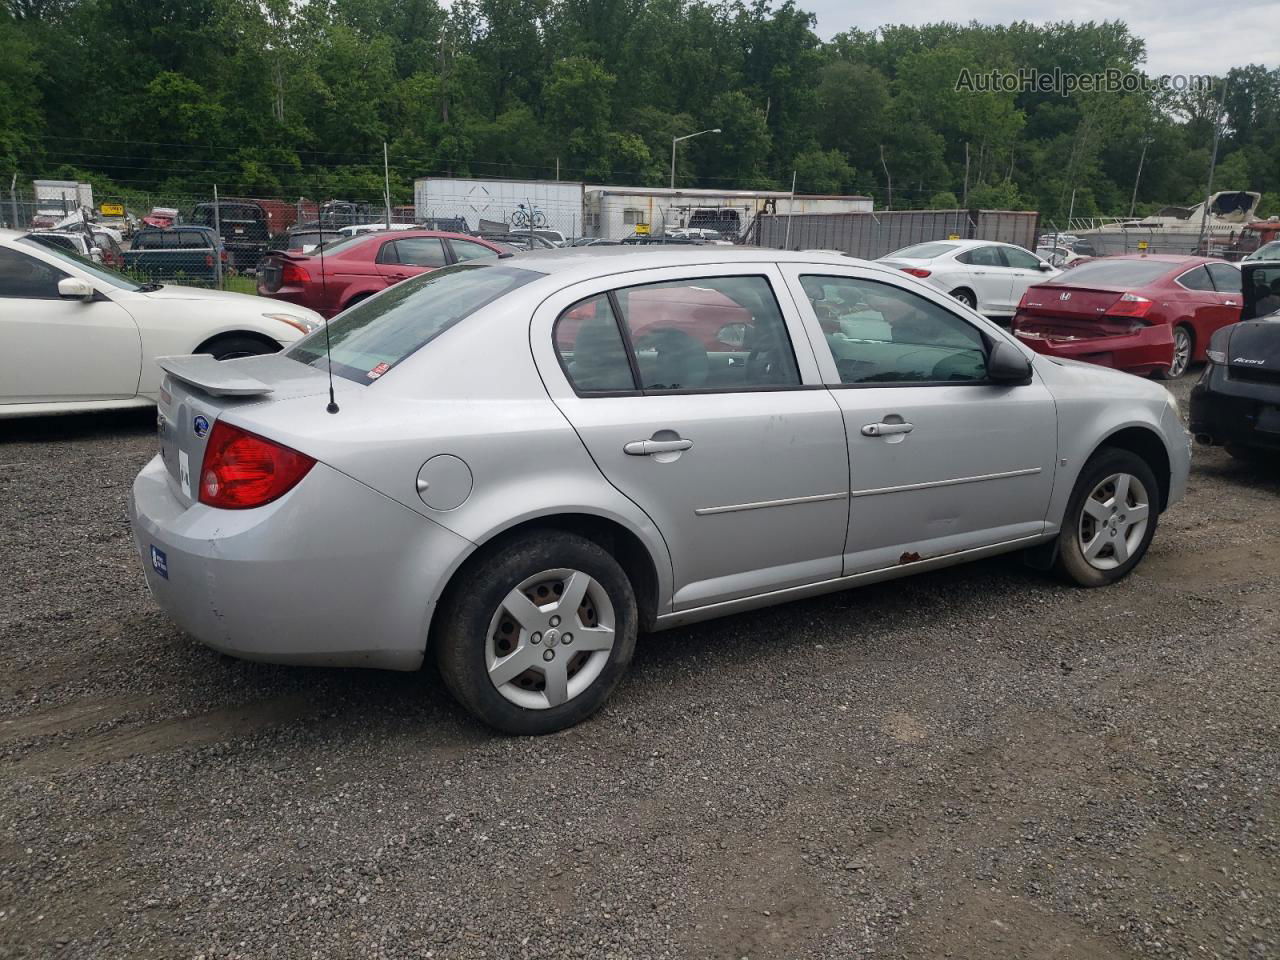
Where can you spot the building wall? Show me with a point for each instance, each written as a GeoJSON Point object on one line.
{"type": "Point", "coordinates": [868, 236]}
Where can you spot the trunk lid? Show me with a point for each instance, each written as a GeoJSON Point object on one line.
{"type": "Point", "coordinates": [197, 390]}
{"type": "Point", "coordinates": [1063, 312]}
{"type": "Point", "coordinates": [1253, 352]}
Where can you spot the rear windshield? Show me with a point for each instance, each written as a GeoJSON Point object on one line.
{"type": "Point", "coordinates": [228, 211]}
{"type": "Point", "coordinates": [922, 251]}
{"type": "Point", "coordinates": [1113, 273]}
{"type": "Point", "coordinates": [375, 335]}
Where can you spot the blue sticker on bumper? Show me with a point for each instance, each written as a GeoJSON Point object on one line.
{"type": "Point", "coordinates": [159, 562]}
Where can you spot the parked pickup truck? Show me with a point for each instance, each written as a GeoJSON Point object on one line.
{"type": "Point", "coordinates": [183, 254]}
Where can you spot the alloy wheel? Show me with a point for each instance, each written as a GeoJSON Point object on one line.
{"type": "Point", "coordinates": [1181, 353]}
{"type": "Point", "coordinates": [1113, 521]}
{"type": "Point", "coordinates": [550, 638]}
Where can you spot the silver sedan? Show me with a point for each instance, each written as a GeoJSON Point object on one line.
{"type": "Point", "coordinates": [517, 465]}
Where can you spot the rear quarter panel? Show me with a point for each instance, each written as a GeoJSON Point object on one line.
{"type": "Point", "coordinates": [475, 393]}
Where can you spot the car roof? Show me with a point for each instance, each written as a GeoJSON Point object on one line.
{"type": "Point", "coordinates": [571, 264]}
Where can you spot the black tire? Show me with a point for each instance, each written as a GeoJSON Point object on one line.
{"type": "Point", "coordinates": [233, 346]}
{"type": "Point", "coordinates": [966, 297]}
{"type": "Point", "coordinates": [462, 627]}
{"type": "Point", "coordinates": [1179, 368]}
{"type": "Point", "coordinates": [1071, 562]}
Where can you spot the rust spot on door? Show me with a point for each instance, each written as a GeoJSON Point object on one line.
{"type": "Point", "coordinates": [910, 557]}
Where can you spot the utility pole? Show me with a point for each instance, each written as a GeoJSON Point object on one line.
{"type": "Point", "coordinates": [964, 199]}
{"type": "Point", "coordinates": [888, 176]}
{"type": "Point", "coordinates": [217, 229]}
{"type": "Point", "coordinates": [1133, 202]}
{"type": "Point", "coordinates": [1213, 163]}
{"type": "Point", "coordinates": [791, 203]}
{"type": "Point", "coordinates": [386, 183]}
{"type": "Point", "coordinates": [674, 141]}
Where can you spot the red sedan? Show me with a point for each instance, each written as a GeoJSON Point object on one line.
{"type": "Point", "coordinates": [1144, 314]}
{"type": "Point", "coordinates": [354, 268]}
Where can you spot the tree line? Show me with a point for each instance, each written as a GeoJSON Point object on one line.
{"type": "Point", "coordinates": [279, 98]}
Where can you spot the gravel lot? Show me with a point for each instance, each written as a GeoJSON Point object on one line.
{"type": "Point", "coordinates": [974, 763]}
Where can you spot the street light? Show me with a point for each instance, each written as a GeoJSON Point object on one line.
{"type": "Point", "coordinates": [674, 141]}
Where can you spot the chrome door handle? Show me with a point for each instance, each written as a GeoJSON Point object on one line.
{"type": "Point", "coordinates": [645, 448]}
{"type": "Point", "coordinates": [885, 429]}
{"type": "Point", "coordinates": [1230, 303]}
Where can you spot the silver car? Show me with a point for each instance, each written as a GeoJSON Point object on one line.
{"type": "Point", "coordinates": [527, 461]}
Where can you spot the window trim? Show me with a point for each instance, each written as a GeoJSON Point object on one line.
{"type": "Point", "coordinates": [633, 361]}
{"type": "Point", "coordinates": [988, 341]}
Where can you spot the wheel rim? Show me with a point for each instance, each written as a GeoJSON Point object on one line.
{"type": "Point", "coordinates": [550, 639]}
{"type": "Point", "coordinates": [964, 298]}
{"type": "Point", "coordinates": [1113, 521]}
{"type": "Point", "coordinates": [1181, 353]}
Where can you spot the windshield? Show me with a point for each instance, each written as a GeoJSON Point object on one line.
{"type": "Point", "coordinates": [373, 336]}
{"type": "Point", "coordinates": [95, 270]}
{"type": "Point", "coordinates": [1268, 251]}
{"type": "Point", "coordinates": [923, 251]}
{"type": "Point", "coordinates": [1113, 273]}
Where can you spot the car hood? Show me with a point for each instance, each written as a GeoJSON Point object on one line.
{"type": "Point", "coordinates": [172, 292]}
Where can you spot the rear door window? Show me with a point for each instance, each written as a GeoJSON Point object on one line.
{"type": "Point", "coordinates": [419, 252]}
{"type": "Point", "coordinates": [589, 344]}
{"type": "Point", "coordinates": [1197, 279]}
{"type": "Point", "coordinates": [982, 257]}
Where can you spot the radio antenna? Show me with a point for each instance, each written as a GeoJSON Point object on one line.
{"type": "Point", "coordinates": [324, 298]}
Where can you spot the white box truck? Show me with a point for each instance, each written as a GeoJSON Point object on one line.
{"type": "Point", "coordinates": [500, 205]}
{"type": "Point", "coordinates": [55, 199]}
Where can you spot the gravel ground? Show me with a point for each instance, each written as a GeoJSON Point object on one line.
{"type": "Point", "coordinates": [972, 763]}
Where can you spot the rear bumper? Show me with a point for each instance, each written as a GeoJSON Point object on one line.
{"type": "Point", "coordinates": [1148, 350]}
{"type": "Point", "coordinates": [1223, 411]}
{"type": "Point", "coordinates": [333, 573]}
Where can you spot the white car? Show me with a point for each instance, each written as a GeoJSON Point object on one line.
{"type": "Point", "coordinates": [988, 277]}
{"type": "Point", "coordinates": [76, 336]}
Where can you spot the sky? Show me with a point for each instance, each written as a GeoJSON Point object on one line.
{"type": "Point", "coordinates": [1183, 36]}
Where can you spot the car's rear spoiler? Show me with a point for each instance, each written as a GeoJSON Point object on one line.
{"type": "Point", "coordinates": [214, 377]}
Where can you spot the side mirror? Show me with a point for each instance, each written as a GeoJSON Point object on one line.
{"type": "Point", "coordinates": [1045, 266]}
{"type": "Point", "coordinates": [733, 335]}
{"type": "Point", "coordinates": [1008, 365]}
{"type": "Point", "coordinates": [70, 288]}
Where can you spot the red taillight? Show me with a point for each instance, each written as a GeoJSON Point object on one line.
{"type": "Point", "coordinates": [293, 273]}
{"type": "Point", "coordinates": [208, 260]}
{"type": "Point", "coordinates": [1129, 305]}
{"type": "Point", "coordinates": [224, 256]}
{"type": "Point", "coordinates": [243, 470]}
{"type": "Point", "coordinates": [915, 271]}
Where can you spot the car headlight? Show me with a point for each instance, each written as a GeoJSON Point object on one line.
{"type": "Point", "coordinates": [1216, 356]}
{"type": "Point", "coordinates": [304, 324]}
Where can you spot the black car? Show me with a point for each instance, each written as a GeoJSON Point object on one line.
{"type": "Point", "coordinates": [243, 225]}
{"type": "Point", "coordinates": [184, 254]}
{"type": "Point", "coordinates": [1236, 404]}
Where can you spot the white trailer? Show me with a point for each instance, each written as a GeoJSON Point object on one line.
{"type": "Point", "coordinates": [501, 205]}
{"type": "Point", "coordinates": [619, 212]}
{"type": "Point", "coordinates": [62, 196]}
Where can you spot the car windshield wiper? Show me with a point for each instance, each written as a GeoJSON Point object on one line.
{"type": "Point", "coordinates": [150, 287]}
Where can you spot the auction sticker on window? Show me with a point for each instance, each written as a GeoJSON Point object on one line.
{"type": "Point", "coordinates": [378, 371]}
